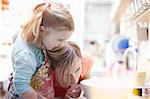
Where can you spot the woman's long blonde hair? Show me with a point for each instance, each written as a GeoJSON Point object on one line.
{"type": "Point", "coordinates": [64, 56]}
{"type": "Point", "coordinates": [50, 15]}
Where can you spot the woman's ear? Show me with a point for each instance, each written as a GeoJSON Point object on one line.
{"type": "Point", "coordinates": [42, 30]}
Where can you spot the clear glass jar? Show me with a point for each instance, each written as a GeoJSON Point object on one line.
{"type": "Point", "coordinates": [132, 6]}
{"type": "Point", "coordinates": [146, 3]}
{"type": "Point", "coordinates": [140, 6]}
{"type": "Point", "coordinates": [136, 6]}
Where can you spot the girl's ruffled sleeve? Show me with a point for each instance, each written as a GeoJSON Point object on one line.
{"type": "Point", "coordinates": [87, 63]}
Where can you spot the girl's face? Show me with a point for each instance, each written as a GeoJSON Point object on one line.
{"type": "Point", "coordinates": [75, 72]}
{"type": "Point", "coordinates": [52, 38]}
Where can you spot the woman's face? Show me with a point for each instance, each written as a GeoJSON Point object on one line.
{"type": "Point", "coordinates": [52, 38]}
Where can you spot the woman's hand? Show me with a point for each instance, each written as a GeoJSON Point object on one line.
{"type": "Point", "coordinates": [74, 91]}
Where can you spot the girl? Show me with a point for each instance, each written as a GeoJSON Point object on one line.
{"type": "Point", "coordinates": [68, 68]}
{"type": "Point", "coordinates": [50, 24]}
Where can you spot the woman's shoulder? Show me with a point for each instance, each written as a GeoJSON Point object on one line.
{"type": "Point", "coordinates": [21, 45]}
{"type": "Point", "coordinates": [28, 57]}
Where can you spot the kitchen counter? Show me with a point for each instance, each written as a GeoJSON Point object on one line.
{"type": "Point", "coordinates": [96, 88]}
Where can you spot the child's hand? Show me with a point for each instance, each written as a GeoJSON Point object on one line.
{"type": "Point", "coordinates": [74, 91]}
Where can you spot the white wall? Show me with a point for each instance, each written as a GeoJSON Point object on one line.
{"type": "Point", "coordinates": [77, 11]}
{"type": "Point", "coordinates": [97, 21]}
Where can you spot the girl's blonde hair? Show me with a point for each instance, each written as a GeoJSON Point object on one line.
{"type": "Point", "coordinates": [50, 15]}
{"type": "Point", "coordinates": [64, 56]}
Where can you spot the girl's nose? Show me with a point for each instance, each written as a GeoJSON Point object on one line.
{"type": "Point", "coordinates": [73, 79]}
